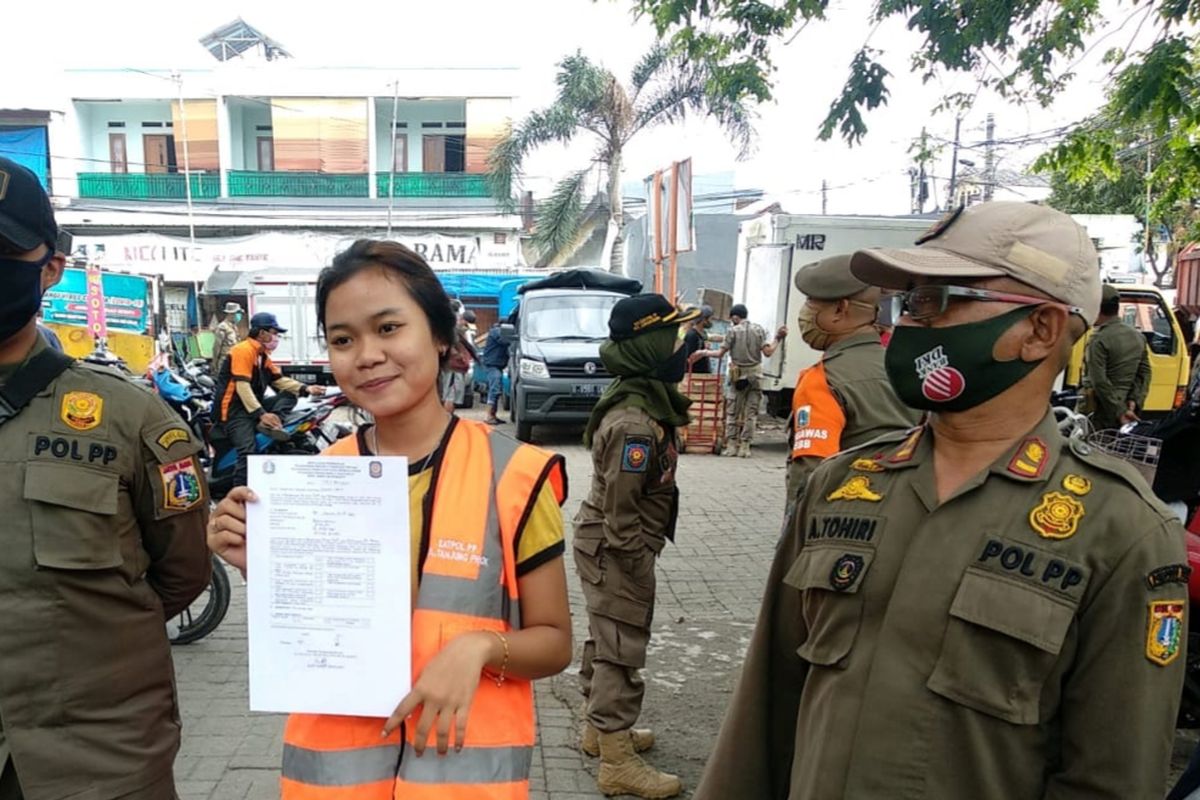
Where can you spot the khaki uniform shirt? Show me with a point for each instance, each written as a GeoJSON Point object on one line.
{"type": "Point", "coordinates": [856, 377]}
{"type": "Point", "coordinates": [1118, 371]}
{"type": "Point", "coordinates": [1023, 640]}
{"type": "Point", "coordinates": [104, 509]}
{"type": "Point", "coordinates": [226, 336]}
{"type": "Point", "coordinates": [634, 501]}
{"type": "Point", "coordinates": [745, 342]}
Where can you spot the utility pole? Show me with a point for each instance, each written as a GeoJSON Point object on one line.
{"type": "Point", "coordinates": [922, 184]}
{"type": "Point", "coordinates": [824, 196]}
{"type": "Point", "coordinates": [989, 159]}
{"type": "Point", "coordinates": [950, 201]}
{"type": "Point", "coordinates": [1149, 163]}
{"type": "Point", "coordinates": [187, 166]}
{"type": "Point", "coordinates": [392, 150]}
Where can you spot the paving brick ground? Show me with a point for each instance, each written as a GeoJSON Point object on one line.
{"type": "Point", "coordinates": [709, 586]}
{"type": "Point", "coordinates": [709, 583]}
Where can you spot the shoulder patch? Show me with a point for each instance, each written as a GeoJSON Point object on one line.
{"type": "Point", "coordinates": [182, 486]}
{"type": "Point", "coordinates": [1164, 631]}
{"type": "Point", "coordinates": [172, 436]}
{"type": "Point", "coordinates": [1171, 573]}
{"type": "Point", "coordinates": [636, 455]}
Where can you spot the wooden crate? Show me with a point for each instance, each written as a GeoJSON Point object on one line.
{"type": "Point", "coordinates": [707, 428]}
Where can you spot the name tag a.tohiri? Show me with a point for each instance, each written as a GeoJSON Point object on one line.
{"type": "Point", "coordinates": [328, 584]}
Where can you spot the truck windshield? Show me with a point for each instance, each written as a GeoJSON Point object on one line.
{"type": "Point", "coordinates": [583, 317]}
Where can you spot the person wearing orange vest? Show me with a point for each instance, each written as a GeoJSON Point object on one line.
{"type": "Point", "coordinates": [844, 399]}
{"type": "Point", "coordinates": [482, 630]}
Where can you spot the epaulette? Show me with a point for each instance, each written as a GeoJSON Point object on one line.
{"type": "Point", "coordinates": [1106, 462]}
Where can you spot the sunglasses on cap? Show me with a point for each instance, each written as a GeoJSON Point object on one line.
{"type": "Point", "coordinates": [932, 300]}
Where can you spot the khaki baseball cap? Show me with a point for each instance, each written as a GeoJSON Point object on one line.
{"type": "Point", "coordinates": [829, 279]}
{"type": "Point", "coordinates": [1036, 245]}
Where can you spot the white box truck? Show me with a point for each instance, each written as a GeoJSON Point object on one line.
{"type": "Point", "coordinates": [771, 247]}
{"type": "Point", "coordinates": [292, 299]}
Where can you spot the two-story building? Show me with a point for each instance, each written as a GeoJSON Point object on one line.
{"type": "Point", "coordinates": [257, 162]}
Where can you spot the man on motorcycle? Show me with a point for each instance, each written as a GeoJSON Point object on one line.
{"type": "Point", "coordinates": [242, 405]}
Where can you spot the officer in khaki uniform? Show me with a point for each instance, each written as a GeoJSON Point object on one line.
{"type": "Point", "coordinates": [844, 399]}
{"type": "Point", "coordinates": [104, 508]}
{"type": "Point", "coordinates": [1117, 367]}
{"type": "Point", "coordinates": [623, 525]}
{"type": "Point", "coordinates": [746, 344]}
{"type": "Point", "coordinates": [225, 336]}
{"type": "Point", "coordinates": [977, 608]}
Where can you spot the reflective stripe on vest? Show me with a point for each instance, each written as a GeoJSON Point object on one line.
{"type": "Point", "coordinates": [468, 583]}
{"type": "Point", "coordinates": [817, 417]}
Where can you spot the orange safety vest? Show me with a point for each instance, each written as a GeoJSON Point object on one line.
{"type": "Point", "coordinates": [817, 417]}
{"type": "Point", "coordinates": [483, 488]}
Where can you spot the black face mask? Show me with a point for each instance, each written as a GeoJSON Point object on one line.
{"type": "Point", "coordinates": [674, 368]}
{"type": "Point", "coordinates": [20, 293]}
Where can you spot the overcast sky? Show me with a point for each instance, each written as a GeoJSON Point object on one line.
{"type": "Point", "coordinates": [533, 34]}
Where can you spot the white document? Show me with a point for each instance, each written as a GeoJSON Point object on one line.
{"type": "Point", "coordinates": [328, 584]}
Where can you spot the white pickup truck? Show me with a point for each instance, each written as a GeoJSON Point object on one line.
{"type": "Point", "coordinates": [771, 247]}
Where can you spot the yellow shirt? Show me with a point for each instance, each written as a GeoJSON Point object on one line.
{"type": "Point", "coordinates": [539, 542]}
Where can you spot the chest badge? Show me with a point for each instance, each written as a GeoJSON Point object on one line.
{"type": "Point", "coordinates": [1164, 633]}
{"type": "Point", "coordinates": [82, 411]}
{"type": "Point", "coordinates": [1057, 516]}
{"type": "Point", "coordinates": [1077, 485]}
{"type": "Point", "coordinates": [845, 572]}
{"type": "Point", "coordinates": [866, 465]}
{"type": "Point", "coordinates": [857, 488]}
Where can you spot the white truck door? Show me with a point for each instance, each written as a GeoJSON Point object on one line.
{"type": "Point", "coordinates": [765, 293]}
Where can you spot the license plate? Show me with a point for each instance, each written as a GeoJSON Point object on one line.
{"type": "Point", "coordinates": [587, 389]}
{"type": "Point", "coordinates": [305, 377]}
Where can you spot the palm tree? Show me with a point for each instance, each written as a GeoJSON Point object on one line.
{"type": "Point", "coordinates": [663, 89]}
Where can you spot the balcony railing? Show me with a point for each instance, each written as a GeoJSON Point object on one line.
{"type": "Point", "coordinates": [243, 183]}
{"type": "Point", "coordinates": [246, 183]}
{"type": "Point", "coordinates": [433, 184]}
{"type": "Point", "coordinates": [148, 186]}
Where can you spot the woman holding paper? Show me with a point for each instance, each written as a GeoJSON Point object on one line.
{"type": "Point", "coordinates": [490, 598]}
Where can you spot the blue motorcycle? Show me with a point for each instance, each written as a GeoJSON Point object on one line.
{"type": "Point", "coordinates": [309, 431]}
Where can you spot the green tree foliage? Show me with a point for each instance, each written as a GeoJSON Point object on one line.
{"type": "Point", "coordinates": [663, 88]}
{"type": "Point", "coordinates": [1022, 49]}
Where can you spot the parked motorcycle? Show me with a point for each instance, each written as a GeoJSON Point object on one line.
{"type": "Point", "coordinates": [206, 612]}
{"type": "Point", "coordinates": [191, 397]}
{"type": "Point", "coordinates": [309, 430]}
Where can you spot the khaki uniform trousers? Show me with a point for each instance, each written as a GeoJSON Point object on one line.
{"type": "Point", "coordinates": [618, 589]}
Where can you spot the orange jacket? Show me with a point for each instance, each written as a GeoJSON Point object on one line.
{"type": "Point", "coordinates": [817, 417]}
{"type": "Point", "coordinates": [484, 487]}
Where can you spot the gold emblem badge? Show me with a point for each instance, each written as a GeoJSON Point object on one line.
{"type": "Point", "coordinates": [857, 488]}
{"type": "Point", "coordinates": [1077, 484]}
{"type": "Point", "coordinates": [1057, 517]}
{"type": "Point", "coordinates": [171, 437]}
{"type": "Point", "coordinates": [82, 411]}
{"type": "Point", "coordinates": [866, 465]}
